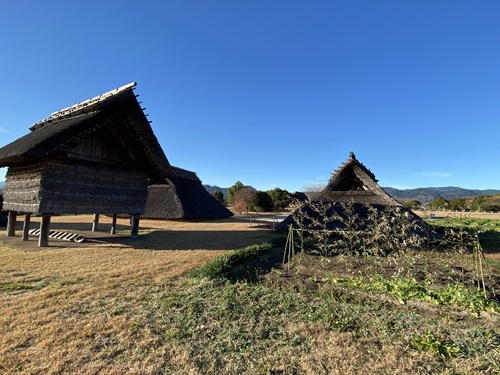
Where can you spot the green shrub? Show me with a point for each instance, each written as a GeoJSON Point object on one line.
{"type": "Point", "coordinates": [438, 345]}
{"type": "Point", "coordinates": [238, 264]}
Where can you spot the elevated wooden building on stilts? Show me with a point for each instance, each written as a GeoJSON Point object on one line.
{"type": "Point", "coordinates": [95, 157]}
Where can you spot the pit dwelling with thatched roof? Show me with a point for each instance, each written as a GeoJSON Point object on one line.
{"type": "Point", "coordinates": [352, 184]}
{"type": "Point", "coordinates": [182, 197]}
{"type": "Point", "coordinates": [95, 157]}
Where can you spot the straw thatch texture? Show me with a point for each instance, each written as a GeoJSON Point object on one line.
{"type": "Point", "coordinates": [95, 157]}
{"type": "Point", "coordinates": [183, 197]}
{"type": "Point", "coordinates": [354, 184]}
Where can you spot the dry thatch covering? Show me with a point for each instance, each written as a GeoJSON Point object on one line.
{"type": "Point", "coordinates": [97, 156]}
{"type": "Point", "coordinates": [353, 186]}
{"type": "Point", "coordinates": [183, 196]}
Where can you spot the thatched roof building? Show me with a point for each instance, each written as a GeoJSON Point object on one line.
{"type": "Point", "coordinates": [182, 196]}
{"type": "Point", "coordinates": [352, 183]}
{"type": "Point", "coordinates": [95, 157]}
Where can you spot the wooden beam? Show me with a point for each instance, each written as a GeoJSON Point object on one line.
{"type": "Point", "coordinates": [113, 225]}
{"type": "Point", "coordinates": [43, 239]}
{"type": "Point", "coordinates": [26, 226]}
{"type": "Point", "coordinates": [95, 223]}
{"type": "Point", "coordinates": [11, 223]}
{"type": "Point", "coordinates": [134, 223]}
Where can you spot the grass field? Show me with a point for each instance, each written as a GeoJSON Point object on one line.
{"type": "Point", "coordinates": [121, 306]}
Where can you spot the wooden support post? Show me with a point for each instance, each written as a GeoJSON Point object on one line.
{"type": "Point", "coordinates": [43, 239]}
{"type": "Point", "coordinates": [95, 223]}
{"type": "Point", "coordinates": [134, 223]}
{"type": "Point", "coordinates": [113, 225]}
{"type": "Point", "coordinates": [11, 223]}
{"type": "Point", "coordinates": [26, 226]}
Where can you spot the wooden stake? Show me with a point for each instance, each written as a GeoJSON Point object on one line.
{"type": "Point", "coordinates": [289, 248]}
{"type": "Point", "coordinates": [26, 226]}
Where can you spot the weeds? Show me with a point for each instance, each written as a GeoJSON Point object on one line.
{"type": "Point", "coordinates": [239, 264]}
{"type": "Point", "coordinates": [441, 346]}
{"type": "Point", "coordinates": [405, 289]}
{"type": "Point", "coordinates": [333, 228]}
{"type": "Point", "coordinates": [101, 313]}
{"type": "Point", "coordinates": [391, 233]}
{"type": "Point", "coordinates": [225, 325]}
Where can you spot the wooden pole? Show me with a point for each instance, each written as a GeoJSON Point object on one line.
{"type": "Point", "coordinates": [26, 226]}
{"type": "Point", "coordinates": [113, 225]}
{"type": "Point", "coordinates": [43, 239]}
{"type": "Point", "coordinates": [134, 223]}
{"type": "Point", "coordinates": [11, 223]}
{"type": "Point", "coordinates": [95, 223]}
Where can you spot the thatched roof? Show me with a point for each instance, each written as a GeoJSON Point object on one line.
{"type": "Point", "coordinates": [182, 196]}
{"type": "Point", "coordinates": [118, 112]}
{"type": "Point", "coordinates": [353, 184]}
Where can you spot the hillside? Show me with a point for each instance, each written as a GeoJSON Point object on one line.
{"type": "Point", "coordinates": [425, 195]}
{"type": "Point", "coordinates": [211, 189]}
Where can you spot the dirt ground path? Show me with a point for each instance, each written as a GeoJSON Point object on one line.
{"type": "Point", "coordinates": [164, 249]}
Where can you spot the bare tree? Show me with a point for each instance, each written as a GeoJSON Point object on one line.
{"type": "Point", "coordinates": [313, 191]}
{"type": "Point", "coordinates": [246, 198]}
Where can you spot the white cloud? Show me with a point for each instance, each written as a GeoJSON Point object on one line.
{"type": "Point", "coordinates": [2, 130]}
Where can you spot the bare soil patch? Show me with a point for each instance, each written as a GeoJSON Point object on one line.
{"type": "Point", "coordinates": [164, 249]}
{"type": "Point", "coordinates": [168, 235]}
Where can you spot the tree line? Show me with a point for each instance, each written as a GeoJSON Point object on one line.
{"type": "Point", "coordinates": [480, 203]}
{"type": "Point", "coordinates": [245, 198]}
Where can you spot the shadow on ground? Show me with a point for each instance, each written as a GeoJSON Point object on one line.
{"type": "Point", "coordinates": [149, 238]}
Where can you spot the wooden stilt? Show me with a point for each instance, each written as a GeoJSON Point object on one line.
{"type": "Point", "coordinates": [134, 223]}
{"type": "Point", "coordinates": [43, 239]}
{"type": "Point", "coordinates": [26, 226]}
{"type": "Point", "coordinates": [95, 223]}
{"type": "Point", "coordinates": [11, 223]}
{"type": "Point", "coordinates": [113, 225]}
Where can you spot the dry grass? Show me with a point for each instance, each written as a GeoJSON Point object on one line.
{"type": "Point", "coordinates": [121, 306]}
{"type": "Point", "coordinates": [455, 214]}
{"type": "Point", "coordinates": [78, 308]}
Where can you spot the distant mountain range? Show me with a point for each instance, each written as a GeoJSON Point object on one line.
{"type": "Point", "coordinates": [425, 195]}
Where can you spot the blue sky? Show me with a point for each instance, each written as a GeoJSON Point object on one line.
{"type": "Point", "coordinates": [274, 93]}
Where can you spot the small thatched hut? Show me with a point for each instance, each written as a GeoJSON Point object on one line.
{"type": "Point", "coordinates": [353, 184]}
{"type": "Point", "coordinates": [182, 196]}
{"type": "Point", "coordinates": [96, 157]}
